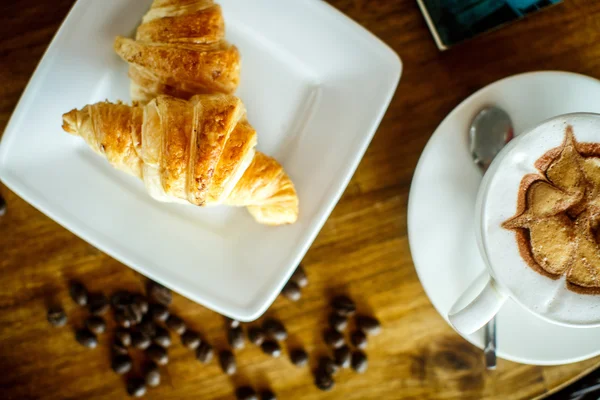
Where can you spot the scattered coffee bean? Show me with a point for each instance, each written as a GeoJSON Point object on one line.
{"type": "Point", "coordinates": [275, 329]}
{"type": "Point", "coordinates": [136, 387]}
{"type": "Point", "coordinates": [96, 324]}
{"type": "Point", "coordinates": [245, 393]}
{"type": "Point", "coordinates": [299, 357]}
{"type": "Point", "coordinates": [368, 325]}
{"type": "Point", "coordinates": [267, 395]}
{"type": "Point", "coordinates": [204, 353]}
{"type": "Point", "coordinates": [56, 316]}
{"type": "Point", "coordinates": [342, 356]}
{"type": "Point", "coordinates": [121, 299]}
{"type": "Point", "coordinates": [256, 335]}
{"type": "Point", "coordinates": [299, 277]}
{"type": "Point", "coordinates": [323, 380]}
{"type": "Point", "coordinates": [78, 293]}
{"type": "Point", "coordinates": [2, 206]}
{"type": "Point", "coordinates": [140, 340]}
{"type": "Point", "coordinates": [97, 303]}
{"type": "Point", "coordinates": [158, 354]}
{"type": "Point", "coordinates": [123, 336]}
{"type": "Point", "coordinates": [136, 313]}
{"type": "Point", "coordinates": [162, 337]}
{"type": "Point", "coordinates": [333, 338]}
{"type": "Point", "coordinates": [359, 339]}
{"type": "Point", "coordinates": [343, 305]}
{"type": "Point", "coordinates": [328, 365]}
{"type": "Point", "coordinates": [338, 322]}
{"type": "Point", "coordinates": [359, 361]}
{"type": "Point", "coordinates": [147, 326]}
{"type": "Point", "coordinates": [292, 291]}
{"type": "Point", "coordinates": [231, 323]}
{"type": "Point", "coordinates": [271, 348]}
{"type": "Point", "coordinates": [159, 312]}
{"type": "Point", "coordinates": [141, 303]}
{"type": "Point", "coordinates": [123, 318]}
{"type": "Point", "coordinates": [235, 337]}
{"type": "Point", "coordinates": [191, 340]}
{"type": "Point", "coordinates": [159, 293]}
{"type": "Point", "coordinates": [118, 349]}
{"type": "Point", "coordinates": [121, 364]}
{"type": "Point", "coordinates": [151, 374]}
{"type": "Point", "coordinates": [86, 338]}
{"type": "Point", "coordinates": [176, 324]}
{"type": "Point", "coordinates": [227, 361]}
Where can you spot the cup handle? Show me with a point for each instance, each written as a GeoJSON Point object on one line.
{"type": "Point", "coordinates": [477, 305]}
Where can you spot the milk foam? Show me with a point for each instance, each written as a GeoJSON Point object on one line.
{"type": "Point", "coordinates": [498, 201]}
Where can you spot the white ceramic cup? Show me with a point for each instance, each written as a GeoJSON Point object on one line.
{"type": "Point", "coordinates": [486, 295]}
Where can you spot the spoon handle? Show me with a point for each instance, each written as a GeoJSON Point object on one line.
{"type": "Point", "coordinates": [489, 351]}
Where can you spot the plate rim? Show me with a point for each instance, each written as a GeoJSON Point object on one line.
{"type": "Point", "coordinates": [255, 308]}
{"type": "Point", "coordinates": [411, 200]}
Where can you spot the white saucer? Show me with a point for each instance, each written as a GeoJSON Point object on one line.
{"type": "Point", "coordinates": [442, 199]}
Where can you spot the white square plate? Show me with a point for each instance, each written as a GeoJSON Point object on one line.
{"type": "Point", "coordinates": [316, 86]}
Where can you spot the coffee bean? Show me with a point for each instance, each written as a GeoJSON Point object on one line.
{"type": "Point", "coordinates": [343, 305]}
{"type": "Point", "coordinates": [86, 338]}
{"type": "Point", "coordinates": [96, 325]}
{"type": "Point", "coordinates": [299, 276]}
{"type": "Point", "coordinates": [191, 340]}
{"type": "Point", "coordinates": [227, 361]}
{"type": "Point", "coordinates": [176, 324]}
{"type": "Point", "coordinates": [359, 339]}
{"type": "Point", "coordinates": [368, 325]}
{"type": "Point", "coordinates": [140, 340]}
{"type": "Point", "coordinates": [292, 291]}
{"type": "Point", "coordinates": [245, 393]}
{"type": "Point", "coordinates": [123, 336]}
{"type": "Point", "coordinates": [2, 206]}
{"type": "Point", "coordinates": [338, 322]}
{"type": "Point", "coordinates": [256, 335]}
{"type": "Point", "coordinates": [299, 357]}
{"type": "Point", "coordinates": [204, 353]}
{"type": "Point", "coordinates": [271, 348]}
{"type": "Point", "coordinates": [275, 329]}
{"type": "Point", "coordinates": [159, 293]}
{"type": "Point", "coordinates": [328, 365]}
{"type": "Point", "coordinates": [136, 312]}
{"type": "Point", "coordinates": [267, 395]}
{"type": "Point", "coordinates": [342, 356]}
{"type": "Point", "coordinates": [56, 316]}
{"type": "Point", "coordinates": [159, 312]}
{"type": "Point", "coordinates": [359, 361]}
{"type": "Point", "coordinates": [141, 303]}
{"type": "Point", "coordinates": [231, 323]}
{"type": "Point", "coordinates": [323, 380]}
{"type": "Point", "coordinates": [118, 349]}
{"type": "Point", "coordinates": [97, 303]}
{"type": "Point", "coordinates": [78, 293]}
{"type": "Point", "coordinates": [121, 299]}
{"type": "Point", "coordinates": [235, 337]}
{"type": "Point", "coordinates": [333, 338]}
{"type": "Point", "coordinates": [121, 364]}
{"type": "Point", "coordinates": [158, 354]}
{"type": "Point", "coordinates": [162, 337]}
{"type": "Point", "coordinates": [147, 326]}
{"type": "Point", "coordinates": [123, 318]}
{"type": "Point", "coordinates": [136, 387]}
{"type": "Point", "coordinates": [151, 374]}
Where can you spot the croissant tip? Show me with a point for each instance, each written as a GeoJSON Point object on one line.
{"type": "Point", "coordinates": [70, 122]}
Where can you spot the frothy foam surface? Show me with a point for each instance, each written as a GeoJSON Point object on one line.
{"type": "Point", "coordinates": [540, 293]}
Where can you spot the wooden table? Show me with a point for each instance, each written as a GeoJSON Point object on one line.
{"type": "Point", "coordinates": [362, 250]}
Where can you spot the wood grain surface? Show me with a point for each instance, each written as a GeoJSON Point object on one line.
{"type": "Point", "coordinates": [362, 250]}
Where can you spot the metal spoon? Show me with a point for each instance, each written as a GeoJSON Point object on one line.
{"type": "Point", "coordinates": [490, 130]}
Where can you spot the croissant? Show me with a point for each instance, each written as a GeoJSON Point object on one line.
{"type": "Point", "coordinates": [199, 152]}
{"type": "Point", "coordinates": [180, 50]}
